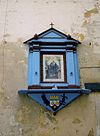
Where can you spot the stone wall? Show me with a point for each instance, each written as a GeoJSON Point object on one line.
{"type": "Point", "coordinates": [19, 21]}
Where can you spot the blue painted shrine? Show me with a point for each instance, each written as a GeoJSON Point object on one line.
{"type": "Point", "coordinates": [53, 74]}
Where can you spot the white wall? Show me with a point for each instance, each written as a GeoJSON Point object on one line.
{"type": "Point", "coordinates": [19, 21]}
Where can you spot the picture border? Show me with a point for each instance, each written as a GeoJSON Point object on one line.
{"type": "Point", "coordinates": [41, 66]}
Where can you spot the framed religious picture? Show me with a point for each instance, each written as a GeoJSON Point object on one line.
{"type": "Point", "coordinates": [53, 67]}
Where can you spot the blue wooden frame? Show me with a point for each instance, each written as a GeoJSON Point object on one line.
{"type": "Point", "coordinates": [56, 93]}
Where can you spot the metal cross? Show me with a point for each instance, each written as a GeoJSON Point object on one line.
{"type": "Point", "coordinates": [51, 25]}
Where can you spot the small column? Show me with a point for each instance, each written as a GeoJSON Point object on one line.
{"type": "Point", "coordinates": [70, 67]}
{"type": "Point", "coordinates": [36, 68]}
{"type": "Point", "coordinates": [76, 69]}
{"type": "Point", "coordinates": [30, 54]}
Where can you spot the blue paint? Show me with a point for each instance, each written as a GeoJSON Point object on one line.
{"type": "Point", "coordinates": [51, 35]}
{"type": "Point", "coordinates": [53, 41]}
{"type": "Point", "coordinates": [69, 98]}
{"type": "Point", "coordinates": [70, 68]}
{"type": "Point", "coordinates": [80, 91]}
{"type": "Point", "coordinates": [53, 50]}
{"type": "Point", "coordinates": [70, 95]}
{"type": "Point", "coordinates": [52, 84]}
{"type": "Point", "coordinates": [77, 82]}
{"type": "Point", "coordinates": [36, 68]}
{"type": "Point", "coordinates": [30, 72]}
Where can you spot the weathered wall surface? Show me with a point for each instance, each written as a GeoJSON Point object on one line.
{"type": "Point", "coordinates": [19, 20]}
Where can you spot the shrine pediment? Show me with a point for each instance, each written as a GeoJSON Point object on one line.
{"type": "Point", "coordinates": [51, 35]}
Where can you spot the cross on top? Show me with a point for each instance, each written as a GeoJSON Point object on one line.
{"type": "Point", "coordinates": [51, 25]}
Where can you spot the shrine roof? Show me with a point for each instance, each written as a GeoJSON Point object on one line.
{"type": "Point", "coordinates": [51, 35]}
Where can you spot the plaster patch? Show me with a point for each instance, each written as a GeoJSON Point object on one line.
{"type": "Point", "coordinates": [81, 37]}
{"type": "Point", "coordinates": [51, 118]}
{"type": "Point", "coordinates": [6, 35]}
{"type": "Point", "coordinates": [90, 12]}
{"type": "Point", "coordinates": [76, 121]}
{"type": "Point", "coordinates": [4, 100]}
{"type": "Point", "coordinates": [85, 22]}
{"type": "Point", "coordinates": [91, 132]}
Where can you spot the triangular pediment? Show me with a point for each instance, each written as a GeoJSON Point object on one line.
{"type": "Point", "coordinates": [52, 34]}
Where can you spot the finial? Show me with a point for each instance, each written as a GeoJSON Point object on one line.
{"type": "Point", "coordinates": [36, 36]}
{"type": "Point", "coordinates": [51, 25]}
